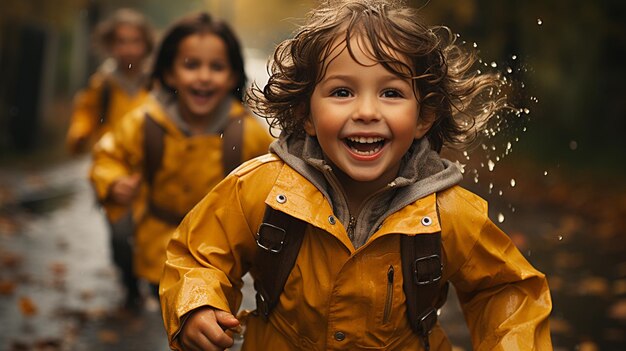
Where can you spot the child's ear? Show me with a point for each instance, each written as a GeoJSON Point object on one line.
{"type": "Point", "coordinates": [309, 128]}
{"type": "Point", "coordinates": [168, 77]}
{"type": "Point", "coordinates": [425, 121]}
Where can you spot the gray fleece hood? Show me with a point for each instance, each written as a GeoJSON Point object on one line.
{"type": "Point", "coordinates": [422, 172]}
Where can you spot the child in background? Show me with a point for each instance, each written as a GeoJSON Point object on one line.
{"type": "Point", "coordinates": [187, 135]}
{"type": "Point", "coordinates": [366, 95]}
{"type": "Point", "coordinates": [119, 85]}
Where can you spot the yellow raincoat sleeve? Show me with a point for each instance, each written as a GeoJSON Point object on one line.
{"type": "Point", "coordinates": [211, 250]}
{"type": "Point", "coordinates": [85, 117]}
{"type": "Point", "coordinates": [505, 300]}
{"type": "Point", "coordinates": [118, 153]}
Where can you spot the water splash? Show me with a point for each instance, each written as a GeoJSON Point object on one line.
{"type": "Point", "coordinates": [500, 217]}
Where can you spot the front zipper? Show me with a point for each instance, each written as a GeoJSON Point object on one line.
{"type": "Point", "coordinates": [350, 229]}
{"type": "Point", "coordinates": [389, 300]}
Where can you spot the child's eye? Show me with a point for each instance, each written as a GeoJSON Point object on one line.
{"type": "Point", "coordinates": [218, 66]}
{"type": "Point", "coordinates": [392, 93]}
{"type": "Point", "coordinates": [341, 92]}
{"type": "Point", "coordinates": [189, 63]}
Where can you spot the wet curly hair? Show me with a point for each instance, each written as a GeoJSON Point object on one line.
{"type": "Point", "coordinates": [447, 84]}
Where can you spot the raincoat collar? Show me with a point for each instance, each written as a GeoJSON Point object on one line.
{"type": "Point", "coordinates": [422, 173]}
{"type": "Point", "coordinates": [172, 111]}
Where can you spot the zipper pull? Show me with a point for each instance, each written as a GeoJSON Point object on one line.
{"type": "Point", "coordinates": [350, 228]}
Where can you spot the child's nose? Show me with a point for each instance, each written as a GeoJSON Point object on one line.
{"type": "Point", "coordinates": [367, 109]}
{"type": "Point", "coordinates": [205, 74]}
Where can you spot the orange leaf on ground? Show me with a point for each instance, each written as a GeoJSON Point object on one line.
{"type": "Point", "coordinates": [27, 306]}
{"type": "Point", "coordinates": [108, 336]}
{"type": "Point", "coordinates": [7, 287]}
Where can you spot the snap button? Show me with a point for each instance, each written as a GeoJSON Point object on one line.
{"type": "Point", "coordinates": [427, 221]}
{"type": "Point", "coordinates": [340, 336]}
{"type": "Point", "coordinates": [332, 220]}
{"type": "Point", "coordinates": [281, 199]}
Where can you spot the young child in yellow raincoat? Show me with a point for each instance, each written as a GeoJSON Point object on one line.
{"type": "Point", "coordinates": [172, 146]}
{"type": "Point", "coordinates": [119, 85]}
{"type": "Point", "coordinates": [365, 95]}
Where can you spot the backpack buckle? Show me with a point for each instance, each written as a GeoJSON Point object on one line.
{"type": "Point", "coordinates": [427, 270]}
{"type": "Point", "coordinates": [271, 238]}
{"type": "Point", "coordinates": [262, 306]}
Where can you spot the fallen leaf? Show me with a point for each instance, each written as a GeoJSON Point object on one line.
{"type": "Point", "coordinates": [10, 260]}
{"type": "Point", "coordinates": [27, 306]}
{"type": "Point", "coordinates": [7, 287]}
{"type": "Point", "coordinates": [58, 268]}
{"type": "Point", "coordinates": [587, 346]}
{"type": "Point", "coordinates": [594, 286]}
{"type": "Point", "coordinates": [108, 336]}
{"type": "Point", "coordinates": [618, 310]}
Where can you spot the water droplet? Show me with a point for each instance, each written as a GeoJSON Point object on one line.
{"type": "Point", "coordinates": [458, 35]}
{"type": "Point", "coordinates": [476, 179]}
{"type": "Point", "coordinates": [491, 165]}
{"type": "Point", "coordinates": [573, 145]}
{"type": "Point", "coordinates": [509, 70]}
{"type": "Point", "coordinates": [500, 218]}
{"type": "Point", "coordinates": [494, 65]}
{"type": "Point", "coordinates": [545, 173]}
{"type": "Point", "coordinates": [475, 45]}
{"type": "Point", "coordinates": [500, 193]}
{"type": "Point", "coordinates": [508, 145]}
{"type": "Point", "coordinates": [526, 111]}
{"type": "Point", "coordinates": [234, 147]}
{"type": "Point", "coordinates": [539, 21]}
{"type": "Point", "coordinates": [130, 65]}
{"type": "Point", "coordinates": [512, 183]}
{"type": "Point", "coordinates": [560, 237]}
{"type": "Point", "coordinates": [478, 72]}
{"type": "Point", "coordinates": [221, 135]}
{"type": "Point", "coordinates": [514, 57]}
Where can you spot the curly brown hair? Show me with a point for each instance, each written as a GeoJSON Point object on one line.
{"type": "Point", "coordinates": [442, 72]}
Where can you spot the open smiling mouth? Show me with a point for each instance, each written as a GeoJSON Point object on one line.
{"type": "Point", "coordinates": [365, 146]}
{"type": "Point", "coordinates": [201, 93]}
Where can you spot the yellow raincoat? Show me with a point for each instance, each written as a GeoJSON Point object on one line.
{"type": "Point", "coordinates": [85, 123]}
{"type": "Point", "coordinates": [335, 296]}
{"type": "Point", "coordinates": [190, 167]}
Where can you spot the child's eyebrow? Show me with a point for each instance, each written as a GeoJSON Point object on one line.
{"type": "Point", "coordinates": [346, 77]}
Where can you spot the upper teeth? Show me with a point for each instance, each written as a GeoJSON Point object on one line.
{"type": "Point", "coordinates": [366, 140]}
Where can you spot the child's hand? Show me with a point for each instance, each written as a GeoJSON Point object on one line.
{"type": "Point", "coordinates": [124, 190]}
{"type": "Point", "coordinates": [205, 330]}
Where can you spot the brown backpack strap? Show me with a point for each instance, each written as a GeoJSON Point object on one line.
{"type": "Point", "coordinates": [278, 239]}
{"type": "Point", "coordinates": [232, 142]}
{"type": "Point", "coordinates": [153, 145]}
{"type": "Point", "coordinates": [105, 101]}
{"type": "Point", "coordinates": [421, 272]}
